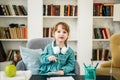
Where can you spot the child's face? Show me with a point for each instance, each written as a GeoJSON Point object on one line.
{"type": "Point", "coordinates": [60, 34]}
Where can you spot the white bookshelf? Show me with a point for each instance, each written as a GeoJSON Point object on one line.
{"type": "Point", "coordinates": [50, 21]}
{"type": "Point", "coordinates": [105, 22]}
{"type": "Point", "coordinates": [81, 26]}
{"type": "Point", "coordinates": [81, 37]}
{"type": "Point", "coordinates": [16, 19]}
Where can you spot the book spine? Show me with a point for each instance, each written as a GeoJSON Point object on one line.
{"type": "Point", "coordinates": [23, 10]}
{"type": "Point", "coordinates": [94, 54]}
{"type": "Point", "coordinates": [15, 9]}
{"type": "Point", "coordinates": [44, 10]}
{"type": "Point", "coordinates": [2, 53]}
{"type": "Point", "coordinates": [49, 10]}
{"type": "Point", "coordinates": [6, 6]}
{"type": "Point", "coordinates": [1, 11]}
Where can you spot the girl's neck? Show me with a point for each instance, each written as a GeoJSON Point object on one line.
{"type": "Point", "coordinates": [60, 44]}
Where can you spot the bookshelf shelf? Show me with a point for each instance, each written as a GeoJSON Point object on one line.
{"type": "Point", "coordinates": [61, 14]}
{"type": "Point", "coordinates": [60, 17]}
{"type": "Point", "coordinates": [101, 39]}
{"type": "Point", "coordinates": [104, 17]}
{"type": "Point", "coordinates": [81, 31]}
{"type": "Point", "coordinates": [13, 39]}
{"type": "Point", "coordinates": [103, 28]}
{"type": "Point", "coordinates": [101, 31]}
{"type": "Point", "coordinates": [13, 24]}
{"type": "Point", "coordinates": [13, 16]}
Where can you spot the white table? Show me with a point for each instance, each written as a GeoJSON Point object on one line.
{"type": "Point", "coordinates": [20, 75]}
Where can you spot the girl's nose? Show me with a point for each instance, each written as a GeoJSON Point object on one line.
{"type": "Point", "coordinates": [62, 33]}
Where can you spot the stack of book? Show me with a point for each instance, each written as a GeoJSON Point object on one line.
{"type": "Point", "coordinates": [60, 10]}
{"type": "Point", "coordinates": [47, 31]}
{"type": "Point", "coordinates": [101, 54]}
{"type": "Point", "coordinates": [11, 10]}
{"type": "Point", "coordinates": [102, 9]}
{"type": "Point", "coordinates": [13, 55]}
{"type": "Point", "coordinates": [101, 33]}
{"type": "Point", "coordinates": [13, 32]}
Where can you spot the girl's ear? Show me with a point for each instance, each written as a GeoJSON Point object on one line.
{"type": "Point", "coordinates": [53, 34]}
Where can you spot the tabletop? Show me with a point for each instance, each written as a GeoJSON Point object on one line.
{"type": "Point", "coordinates": [75, 77]}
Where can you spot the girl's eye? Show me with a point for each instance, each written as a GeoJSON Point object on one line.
{"type": "Point", "coordinates": [64, 32]}
{"type": "Point", "coordinates": [58, 31]}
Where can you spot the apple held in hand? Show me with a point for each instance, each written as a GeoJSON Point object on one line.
{"type": "Point", "coordinates": [10, 70]}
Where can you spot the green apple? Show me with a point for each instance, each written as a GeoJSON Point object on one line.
{"type": "Point", "coordinates": [10, 70]}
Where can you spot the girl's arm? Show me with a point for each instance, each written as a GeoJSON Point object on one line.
{"type": "Point", "coordinates": [44, 56]}
{"type": "Point", "coordinates": [70, 64]}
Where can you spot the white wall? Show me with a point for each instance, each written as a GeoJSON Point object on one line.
{"type": "Point", "coordinates": [85, 33]}
{"type": "Point", "coordinates": [35, 22]}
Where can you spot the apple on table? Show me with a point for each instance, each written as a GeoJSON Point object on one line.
{"type": "Point", "coordinates": [10, 70]}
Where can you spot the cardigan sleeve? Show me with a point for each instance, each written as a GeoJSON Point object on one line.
{"type": "Point", "coordinates": [70, 64]}
{"type": "Point", "coordinates": [44, 56]}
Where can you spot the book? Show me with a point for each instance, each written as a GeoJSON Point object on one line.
{"type": "Point", "coordinates": [76, 11]}
{"type": "Point", "coordinates": [96, 7]}
{"type": "Point", "coordinates": [53, 73]}
{"type": "Point", "coordinates": [106, 54]}
{"type": "Point", "coordinates": [12, 10]}
{"type": "Point", "coordinates": [105, 33]}
{"type": "Point", "coordinates": [8, 54]}
{"type": "Point", "coordinates": [2, 53]}
{"type": "Point", "coordinates": [47, 31]}
{"type": "Point", "coordinates": [57, 10]}
{"type": "Point", "coordinates": [4, 10]}
{"type": "Point", "coordinates": [25, 33]}
{"type": "Point", "coordinates": [19, 11]}
{"type": "Point", "coordinates": [1, 10]}
{"type": "Point", "coordinates": [95, 31]}
{"type": "Point", "coordinates": [49, 10]}
{"type": "Point", "coordinates": [15, 9]}
{"type": "Point", "coordinates": [53, 10]}
{"type": "Point", "coordinates": [9, 9]}
{"type": "Point", "coordinates": [61, 78]}
{"type": "Point", "coordinates": [22, 8]}
{"type": "Point", "coordinates": [13, 55]}
{"type": "Point", "coordinates": [94, 54]}
{"type": "Point", "coordinates": [68, 12]}
{"type": "Point", "coordinates": [44, 10]}
{"type": "Point", "coordinates": [65, 10]}
{"type": "Point", "coordinates": [61, 10]}
{"type": "Point", "coordinates": [16, 56]}
{"type": "Point", "coordinates": [8, 12]}
{"type": "Point", "coordinates": [71, 10]}
{"type": "Point", "coordinates": [99, 54]}
{"type": "Point", "coordinates": [109, 9]}
{"type": "Point", "coordinates": [101, 33]}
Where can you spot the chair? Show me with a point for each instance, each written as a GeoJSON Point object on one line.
{"type": "Point", "coordinates": [41, 43]}
{"type": "Point", "coordinates": [112, 67]}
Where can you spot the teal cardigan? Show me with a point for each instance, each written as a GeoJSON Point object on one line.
{"type": "Point", "coordinates": [65, 62]}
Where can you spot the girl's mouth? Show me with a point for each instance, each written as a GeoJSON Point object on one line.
{"type": "Point", "coordinates": [61, 37]}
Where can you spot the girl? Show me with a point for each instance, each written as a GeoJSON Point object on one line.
{"type": "Point", "coordinates": [58, 56]}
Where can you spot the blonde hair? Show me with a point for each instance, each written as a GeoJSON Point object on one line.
{"type": "Point", "coordinates": [64, 26]}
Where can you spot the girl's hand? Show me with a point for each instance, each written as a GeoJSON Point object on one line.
{"type": "Point", "coordinates": [61, 72]}
{"type": "Point", "coordinates": [52, 58]}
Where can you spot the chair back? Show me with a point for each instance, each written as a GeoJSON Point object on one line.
{"type": "Point", "coordinates": [38, 43]}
